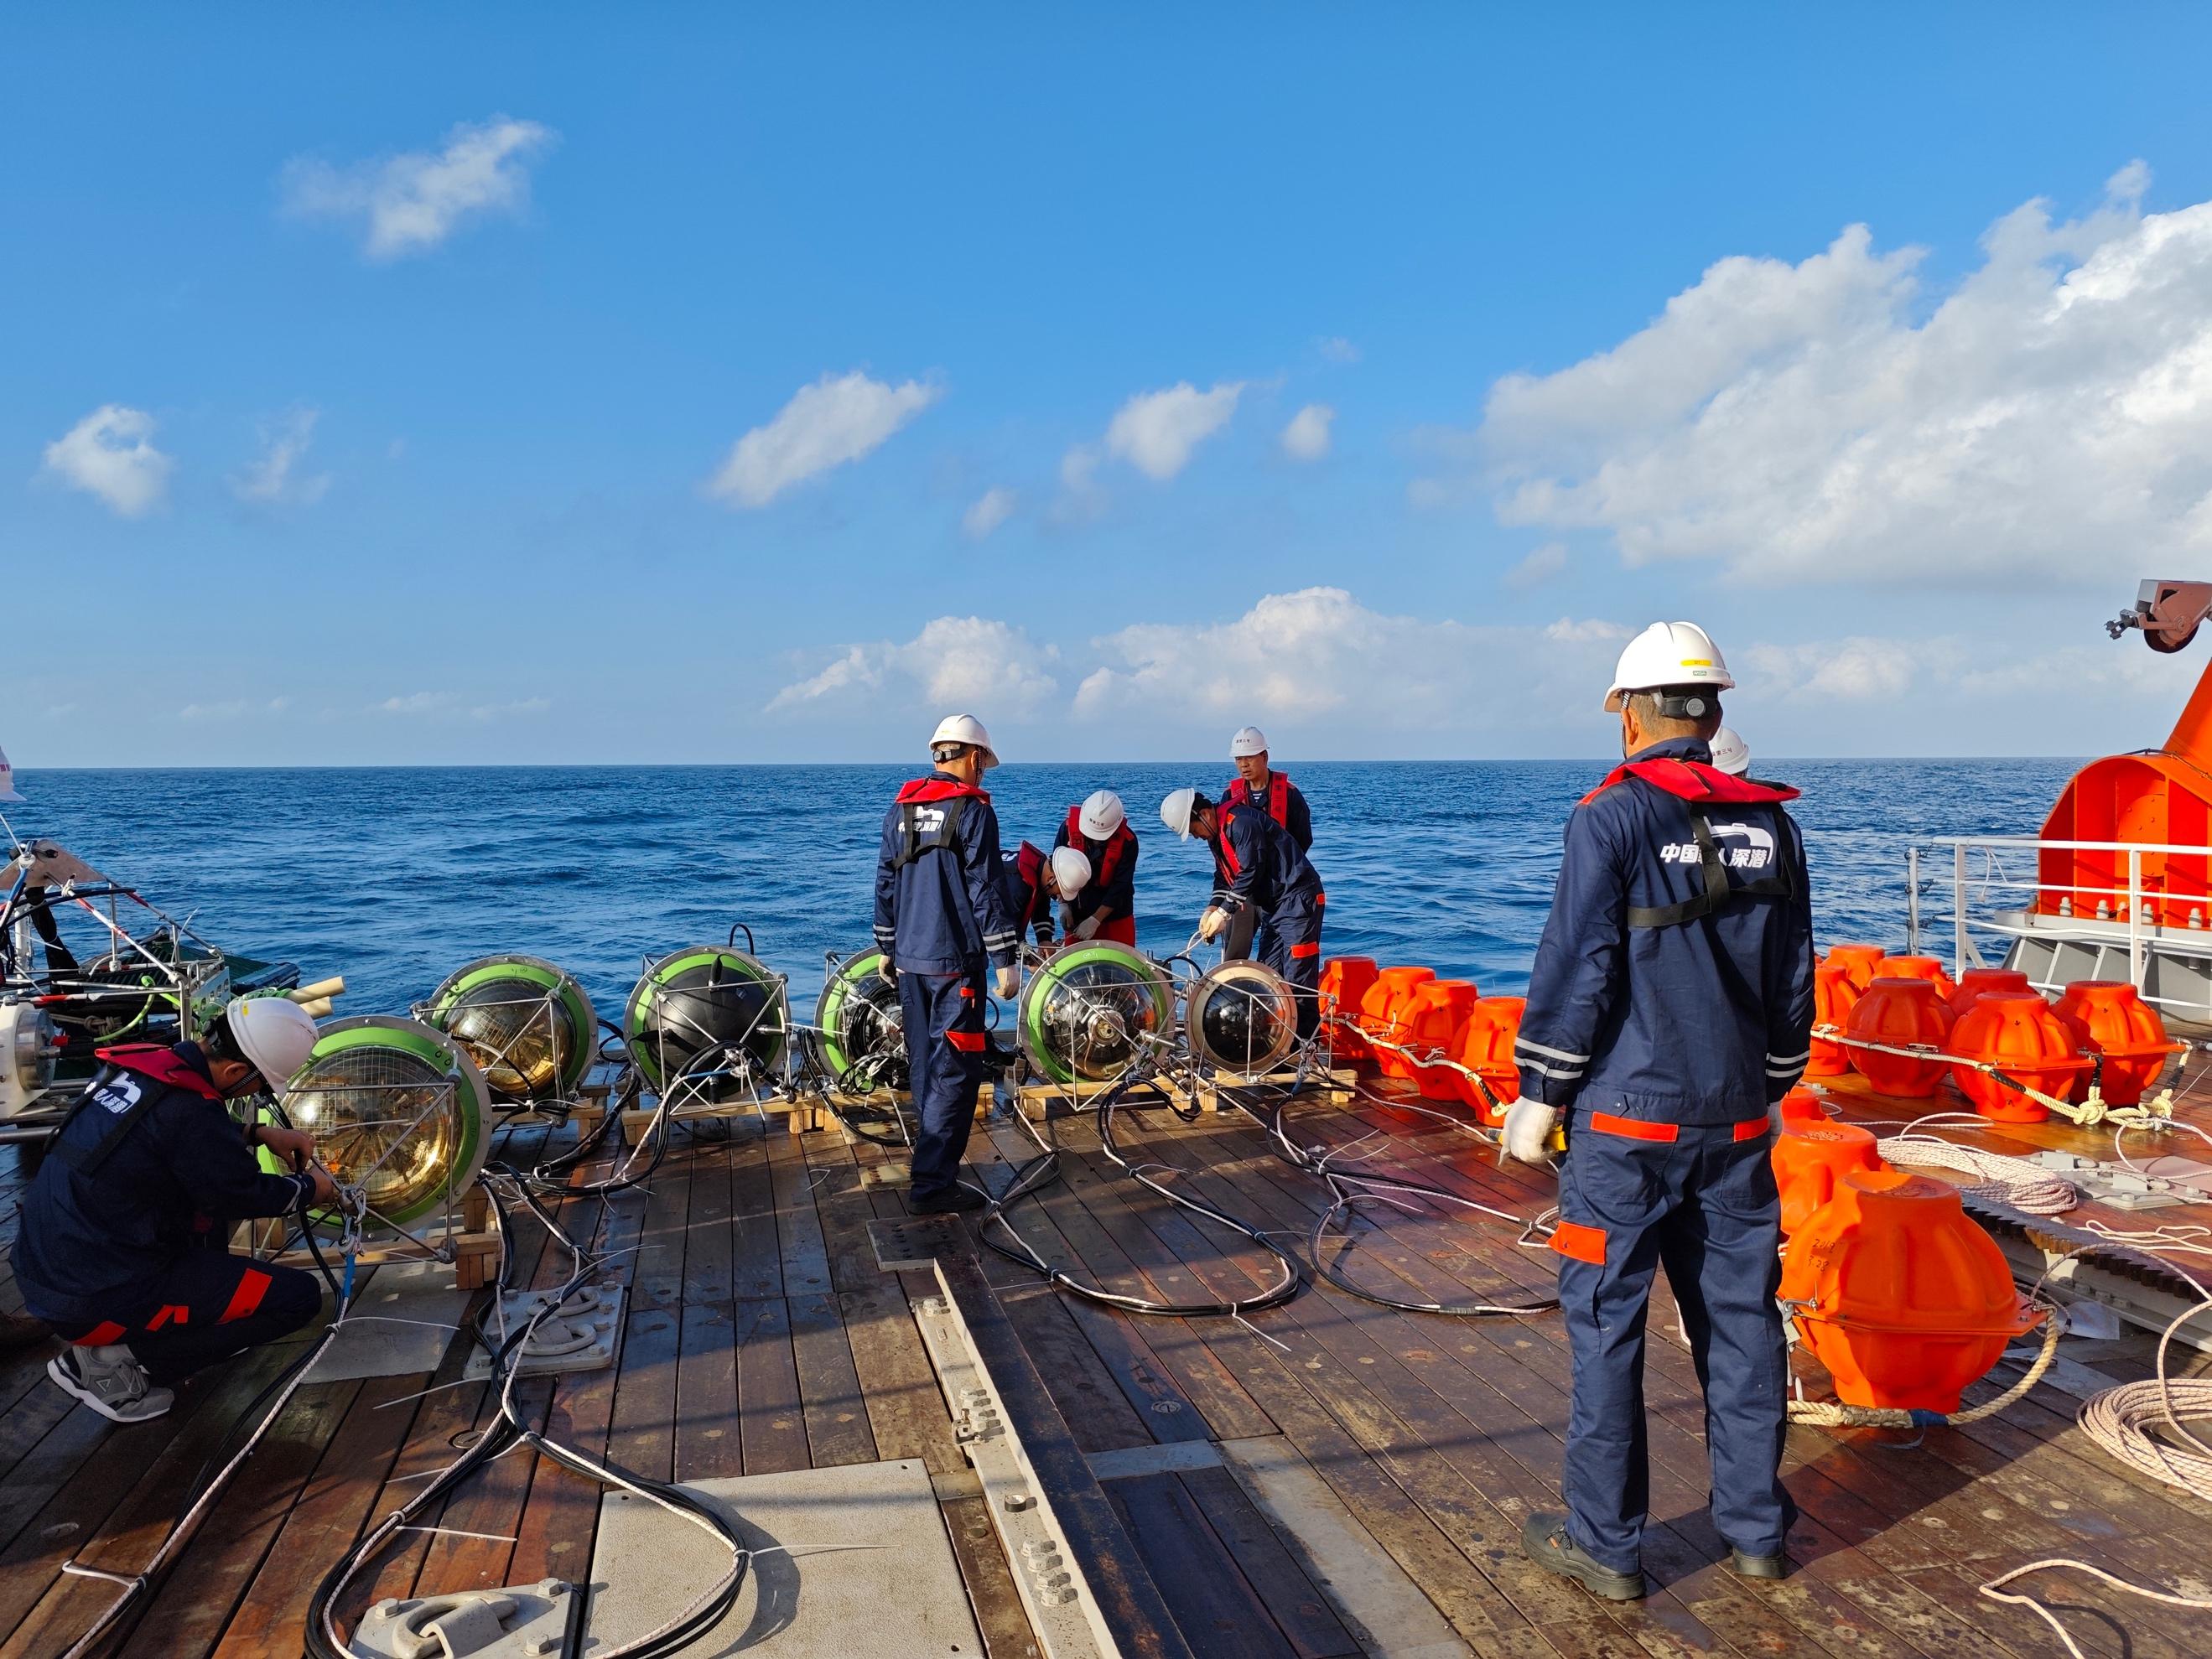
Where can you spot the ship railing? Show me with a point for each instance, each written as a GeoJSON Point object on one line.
{"type": "Point", "coordinates": [1976, 867]}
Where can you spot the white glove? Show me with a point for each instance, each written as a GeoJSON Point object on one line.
{"type": "Point", "coordinates": [1009, 982]}
{"type": "Point", "coordinates": [1211, 922]}
{"type": "Point", "coordinates": [1085, 928]}
{"type": "Point", "coordinates": [1528, 1126]}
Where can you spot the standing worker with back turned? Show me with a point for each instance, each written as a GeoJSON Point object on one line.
{"type": "Point", "coordinates": [940, 910]}
{"type": "Point", "coordinates": [1670, 1008]}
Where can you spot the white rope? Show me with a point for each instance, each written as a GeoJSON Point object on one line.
{"type": "Point", "coordinates": [2020, 1182]}
{"type": "Point", "coordinates": [1995, 1591]}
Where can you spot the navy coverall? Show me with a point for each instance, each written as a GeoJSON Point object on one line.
{"type": "Point", "coordinates": [1113, 885]}
{"type": "Point", "coordinates": [127, 1241]}
{"type": "Point", "coordinates": [1277, 915]}
{"type": "Point", "coordinates": [940, 910]}
{"type": "Point", "coordinates": [1281, 800]}
{"type": "Point", "coordinates": [1670, 1006]}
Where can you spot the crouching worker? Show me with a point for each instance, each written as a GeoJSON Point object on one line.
{"type": "Point", "coordinates": [125, 1231]}
{"type": "Point", "coordinates": [1263, 885]}
{"type": "Point", "coordinates": [1669, 1009]}
{"type": "Point", "coordinates": [1040, 885]}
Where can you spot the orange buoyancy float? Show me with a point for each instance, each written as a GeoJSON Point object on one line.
{"type": "Point", "coordinates": [1834, 991]}
{"type": "Point", "coordinates": [1927, 968]}
{"type": "Point", "coordinates": [1904, 1013]}
{"type": "Point", "coordinates": [1343, 981]}
{"type": "Point", "coordinates": [1902, 1296]}
{"type": "Point", "coordinates": [1433, 1015]}
{"type": "Point", "coordinates": [1862, 961]}
{"type": "Point", "coordinates": [1382, 1008]}
{"type": "Point", "coordinates": [1810, 1156]}
{"type": "Point", "coordinates": [1801, 1104]}
{"type": "Point", "coordinates": [1977, 982]}
{"type": "Point", "coordinates": [2114, 1025]}
{"type": "Point", "coordinates": [1485, 1047]}
{"type": "Point", "coordinates": [2017, 1032]}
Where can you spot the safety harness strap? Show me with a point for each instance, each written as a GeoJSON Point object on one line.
{"type": "Point", "coordinates": [1715, 891]}
{"type": "Point", "coordinates": [155, 1064]}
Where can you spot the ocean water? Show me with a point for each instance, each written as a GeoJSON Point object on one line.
{"type": "Point", "coordinates": [394, 878]}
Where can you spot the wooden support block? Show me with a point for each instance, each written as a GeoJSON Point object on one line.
{"type": "Point", "coordinates": [476, 1260]}
{"type": "Point", "coordinates": [897, 1176]}
{"type": "Point", "coordinates": [476, 1209]}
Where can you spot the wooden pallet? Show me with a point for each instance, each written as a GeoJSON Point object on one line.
{"type": "Point", "coordinates": [798, 1115]}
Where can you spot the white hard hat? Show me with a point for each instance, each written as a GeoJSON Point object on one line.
{"type": "Point", "coordinates": [1249, 741]}
{"type": "Point", "coordinates": [1071, 869]}
{"type": "Point", "coordinates": [1102, 814]}
{"type": "Point", "coordinates": [275, 1035]}
{"type": "Point", "coordinates": [1668, 654]}
{"type": "Point", "coordinates": [1175, 811]}
{"type": "Point", "coordinates": [1730, 752]}
{"type": "Point", "coordinates": [965, 729]}
{"type": "Point", "coordinates": [8, 795]}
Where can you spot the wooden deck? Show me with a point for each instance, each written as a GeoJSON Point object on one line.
{"type": "Point", "coordinates": [1405, 1449]}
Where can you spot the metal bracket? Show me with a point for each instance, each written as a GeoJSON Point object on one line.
{"type": "Point", "coordinates": [580, 1335]}
{"type": "Point", "coordinates": [1062, 1611]}
{"type": "Point", "coordinates": [915, 1242]}
{"type": "Point", "coordinates": [527, 1621]}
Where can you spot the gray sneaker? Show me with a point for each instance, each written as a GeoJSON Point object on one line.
{"type": "Point", "coordinates": [111, 1382]}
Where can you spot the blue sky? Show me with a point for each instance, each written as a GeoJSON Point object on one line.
{"type": "Point", "coordinates": [379, 382]}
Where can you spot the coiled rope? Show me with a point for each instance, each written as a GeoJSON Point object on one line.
{"type": "Point", "coordinates": [2020, 1182]}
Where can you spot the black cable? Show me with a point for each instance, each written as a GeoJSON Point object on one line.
{"type": "Point", "coordinates": [1042, 1170]}
{"type": "Point", "coordinates": [1345, 1200]}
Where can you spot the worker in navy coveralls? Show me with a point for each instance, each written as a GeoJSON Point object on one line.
{"type": "Point", "coordinates": [1263, 889]}
{"type": "Point", "coordinates": [1670, 1010]}
{"type": "Point", "coordinates": [940, 910]}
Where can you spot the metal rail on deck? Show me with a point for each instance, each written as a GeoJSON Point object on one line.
{"type": "Point", "coordinates": [2124, 904]}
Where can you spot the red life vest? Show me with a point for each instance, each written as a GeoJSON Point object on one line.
{"type": "Point", "coordinates": [1117, 847]}
{"type": "Point", "coordinates": [1694, 780]}
{"type": "Point", "coordinates": [926, 830]}
{"type": "Point", "coordinates": [1235, 794]}
{"type": "Point", "coordinates": [147, 1060]}
{"type": "Point", "coordinates": [1699, 787]}
{"type": "Point", "coordinates": [162, 1064]}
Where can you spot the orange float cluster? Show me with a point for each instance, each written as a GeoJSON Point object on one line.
{"type": "Point", "coordinates": [1894, 1288]}
{"type": "Point", "coordinates": [1443, 1036]}
{"type": "Point", "coordinates": [2099, 1032]}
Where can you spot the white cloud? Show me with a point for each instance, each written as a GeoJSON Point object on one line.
{"type": "Point", "coordinates": [1306, 438]}
{"type": "Point", "coordinates": [446, 702]}
{"type": "Point", "coordinates": [970, 662]}
{"type": "Point", "coordinates": [1855, 670]}
{"type": "Point", "coordinates": [1587, 630]}
{"type": "Point", "coordinates": [231, 708]}
{"type": "Point", "coordinates": [835, 420]}
{"type": "Point", "coordinates": [415, 702]}
{"type": "Point", "coordinates": [410, 202]}
{"type": "Point", "coordinates": [2051, 416]}
{"type": "Point", "coordinates": [1157, 431]}
{"type": "Point", "coordinates": [991, 509]}
{"type": "Point", "coordinates": [271, 478]}
{"type": "Point", "coordinates": [1320, 652]}
{"type": "Point", "coordinates": [110, 453]}
{"type": "Point", "coordinates": [1539, 567]}
{"type": "Point", "coordinates": [1337, 350]}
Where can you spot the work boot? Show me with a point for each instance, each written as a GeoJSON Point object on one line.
{"type": "Point", "coordinates": [1748, 1566]}
{"type": "Point", "coordinates": [948, 1201]}
{"type": "Point", "coordinates": [111, 1382]}
{"type": "Point", "coordinates": [1544, 1540]}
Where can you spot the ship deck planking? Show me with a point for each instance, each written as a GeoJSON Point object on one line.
{"type": "Point", "coordinates": [1327, 1477]}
